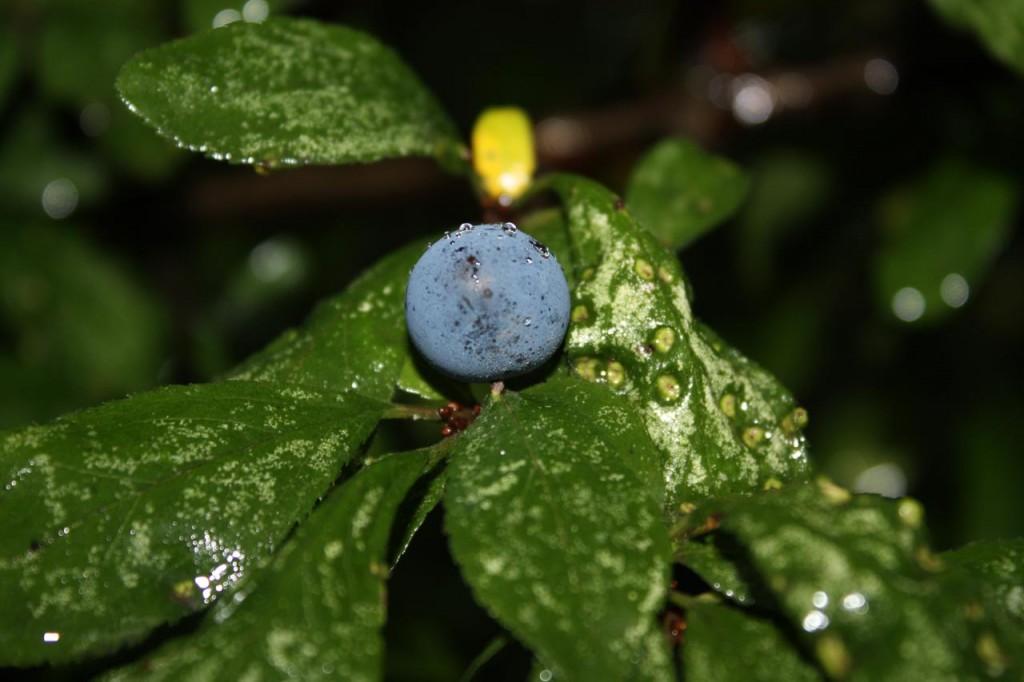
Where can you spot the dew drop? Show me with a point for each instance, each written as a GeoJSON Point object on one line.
{"type": "Point", "coordinates": [465, 227]}
{"type": "Point", "coordinates": [528, 322]}
{"type": "Point", "coordinates": [509, 228]}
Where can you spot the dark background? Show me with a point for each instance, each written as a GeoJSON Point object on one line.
{"type": "Point", "coordinates": [170, 268]}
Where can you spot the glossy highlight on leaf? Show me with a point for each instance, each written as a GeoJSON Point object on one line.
{"type": "Point", "coordinates": [355, 341]}
{"type": "Point", "coordinates": [678, 191]}
{"type": "Point", "coordinates": [722, 423]}
{"type": "Point", "coordinates": [726, 644]}
{"type": "Point", "coordinates": [286, 92]}
{"type": "Point", "coordinates": [856, 579]}
{"type": "Point", "coordinates": [123, 517]}
{"type": "Point", "coordinates": [316, 610]}
{"type": "Point", "coordinates": [553, 512]}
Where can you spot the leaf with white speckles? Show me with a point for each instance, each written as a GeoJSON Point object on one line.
{"type": "Point", "coordinates": [117, 519]}
{"type": "Point", "coordinates": [678, 191]}
{"type": "Point", "coordinates": [554, 515]}
{"type": "Point", "coordinates": [856, 579]}
{"type": "Point", "coordinates": [996, 569]}
{"type": "Point", "coordinates": [287, 92]}
{"type": "Point", "coordinates": [726, 644]}
{"type": "Point", "coordinates": [355, 341]}
{"type": "Point", "coordinates": [723, 423]}
{"type": "Point", "coordinates": [315, 612]}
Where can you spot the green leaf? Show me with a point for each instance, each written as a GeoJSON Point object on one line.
{"type": "Point", "coordinates": [725, 644]}
{"type": "Point", "coordinates": [78, 317]}
{"type": "Point", "coordinates": [999, 24]}
{"type": "Point", "coordinates": [120, 518]}
{"type": "Point", "coordinates": [998, 566]}
{"type": "Point", "coordinates": [942, 236]}
{"type": "Point", "coordinates": [422, 499]}
{"type": "Point", "coordinates": [788, 188]}
{"type": "Point", "coordinates": [717, 567]}
{"type": "Point", "coordinates": [32, 158]}
{"type": "Point", "coordinates": [678, 191]}
{"type": "Point", "coordinates": [9, 62]}
{"type": "Point", "coordinates": [315, 612]}
{"type": "Point", "coordinates": [553, 513]}
{"type": "Point", "coordinates": [856, 580]}
{"type": "Point", "coordinates": [355, 341]}
{"type": "Point", "coordinates": [82, 45]}
{"type": "Point", "coordinates": [722, 423]}
{"type": "Point", "coordinates": [286, 92]}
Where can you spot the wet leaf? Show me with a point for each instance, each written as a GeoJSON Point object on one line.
{"type": "Point", "coordinates": [722, 423]}
{"type": "Point", "coordinates": [999, 24]}
{"type": "Point", "coordinates": [553, 513]}
{"type": "Point", "coordinates": [355, 341]}
{"type": "Point", "coordinates": [678, 191]}
{"type": "Point", "coordinates": [286, 92]}
{"type": "Point", "coordinates": [998, 566]}
{"type": "Point", "coordinates": [423, 499]}
{"type": "Point", "coordinates": [718, 567]}
{"type": "Point", "coordinates": [78, 317]}
{"type": "Point", "coordinates": [942, 236]}
{"type": "Point", "coordinates": [120, 518]}
{"type": "Point", "coordinates": [724, 644]}
{"type": "Point", "coordinates": [316, 611]}
{"type": "Point", "coordinates": [856, 580]}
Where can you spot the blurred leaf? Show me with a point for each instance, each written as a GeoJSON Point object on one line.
{"type": "Point", "coordinates": [725, 644]}
{"type": "Point", "coordinates": [287, 92]}
{"type": "Point", "coordinates": [130, 144]}
{"type": "Point", "coordinates": [942, 236]}
{"type": "Point", "coordinates": [129, 515]}
{"type": "Point", "coordinates": [988, 466]}
{"type": "Point", "coordinates": [8, 62]}
{"type": "Point", "coordinates": [788, 188]}
{"type": "Point", "coordinates": [678, 191]}
{"type": "Point", "coordinates": [315, 612]}
{"type": "Point", "coordinates": [76, 315]}
{"type": "Point", "coordinates": [998, 566]}
{"type": "Point", "coordinates": [83, 44]}
{"type": "Point", "coordinates": [553, 513]}
{"type": "Point", "coordinates": [354, 341]}
{"type": "Point", "coordinates": [200, 15]}
{"type": "Point", "coordinates": [853, 574]}
{"type": "Point", "coordinates": [32, 159]}
{"type": "Point", "coordinates": [998, 24]}
{"type": "Point", "coordinates": [722, 423]}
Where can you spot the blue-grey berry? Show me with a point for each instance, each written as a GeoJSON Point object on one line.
{"type": "Point", "coordinates": [487, 302]}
